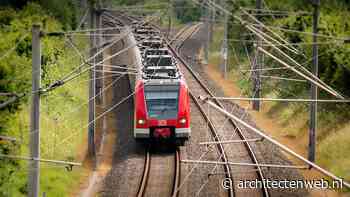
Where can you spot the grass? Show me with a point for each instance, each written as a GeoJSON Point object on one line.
{"type": "Point", "coordinates": [333, 152]}
{"type": "Point", "coordinates": [58, 182]}
{"type": "Point", "coordinates": [62, 125]}
{"type": "Point", "coordinates": [215, 57]}
{"type": "Point", "coordinates": [62, 130]}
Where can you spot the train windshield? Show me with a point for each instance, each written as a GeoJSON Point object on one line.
{"type": "Point", "coordinates": [162, 104]}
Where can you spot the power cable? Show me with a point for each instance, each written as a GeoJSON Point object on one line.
{"type": "Point", "coordinates": [344, 39]}
{"type": "Point", "coordinates": [283, 78]}
{"type": "Point", "coordinates": [11, 100]}
{"type": "Point", "coordinates": [259, 33]}
{"type": "Point", "coordinates": [9, 51]}
{"type": "Point", "coordinates": [276, 11]}
{"type": "Point", "coordinates": [72, 75]}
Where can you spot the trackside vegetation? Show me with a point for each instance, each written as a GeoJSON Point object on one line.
{"type": "Point", "coordinates": [63, 111]}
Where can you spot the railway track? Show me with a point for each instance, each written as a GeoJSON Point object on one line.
{"type": "Point", "coordinates": [159, 179]}
{"type": "Point", "coordinates": [161, 174]}
{"type": "Point", "coordinates": [161, 171]}
{"type": "Point", "coordinates": [184, 34]}
{"type": "Point", "coordinates": [216, 120]}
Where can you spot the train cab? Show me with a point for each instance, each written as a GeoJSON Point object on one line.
{"type": "Point", "coordinates": [162, 110]}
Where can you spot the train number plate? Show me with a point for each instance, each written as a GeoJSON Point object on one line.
{"type": "Point", "coordinates": [162, 123]}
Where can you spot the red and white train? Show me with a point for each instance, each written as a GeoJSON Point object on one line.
{"type": "Point", "coordinates": [162, 103]}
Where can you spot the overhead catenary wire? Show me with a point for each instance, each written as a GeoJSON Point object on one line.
{"type": "Point", "coordinates": [208, 177]}
{"type": "Point", "coordinates": [288, 44]}
{"type": "Point", "coordinates": [218, 138]}
{"type": "Point", "coordinates": [8, 138]}
{"type": "Point", "coordinates": [100, 116]}
{"type": "Point", "coordinates": [133, 6]}
{"type": "Point", "coordinates": [202, 186]}
{"type": "Point", "coordinates": [269, 10]}
{"type": "Point", "coordinates": [292, 49]}
{"type": "Point", "coordinates": [120, 74]}
{"type": "Point", "coordinates": [95, 34]}
{"type": "Point", "coordinates": [8, 94]}
{"type": "Point", "coordinates": [116, 66]}
{"type": "Point", "coordinates": [9, 51]}
{"type": "Point", "coordinates": [233, 134]}
{"type": "Point", "coordinates": [279, 99]}
{"type": "Point", "coordinates": [331, 91]}
{"type": "Point", "coordinates": [283, 78]}
{"type": "Point", "coordinates": [344, 39]}
{"type": "Point", "coordinates": [79, 54]}
{"type": "Point", "coordinates": [70, 76]}
{"type": "Point", "coordinates": [305, 43]}
{"type": "Point", "coordinates": [99, 52]}
{"type": "Point", "coordinates": [103, 77]}
{"type": "Point", "coordinates": [115, 72]}
{"type": "Point", "coordinates": [103, 113]}
{"type": "Point", "coordinates": [71, 42]}
{"type": "Point", "coordinates": [40, 159]}
{"type": "Point", "coordinates": [264, 69]}
{"type": "Point", "coordinates": [83, 19]}
{"type": "Point", "coordinates": [101, 62]}
{"type": "Point", "coordinates": [283, 147]}
{"type": "Point", "coordinates": [310, 75]}
{"type": "Point", "coordinates": [84, 30]}
{"type": "Point", "coordinates": [92, 98]}
{"type": "Point", "coordinates": [106, 14]}
{"type": "Point", "coordinates": [243, 75]}
{"type": "Point", "coordinates": [12, 100]}
{"type": "Point", "coordinates": [275, 11]}
{"type": "Point", "coordinates": [245, 72]}
{"type": "Point", "coordinates": [273, 14]}
{"type": "Point", "coordinates": [259, 33]}
{"type": "Point", "coordinates": [77, 71]}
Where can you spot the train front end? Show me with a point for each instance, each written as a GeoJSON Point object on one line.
{"type": "Point", "coordinates": [162, 110]}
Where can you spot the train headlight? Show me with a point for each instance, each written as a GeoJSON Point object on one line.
{"type": "Point", "coordinates": [183, 120]}
{"type": "Point", "coordinates": [141, 121]}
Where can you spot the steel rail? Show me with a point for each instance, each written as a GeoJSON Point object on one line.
{"type": "Point", "coordinates": [219, 146]}
{"type": "Point", "coordinates": [239, 131]}
{"type": "Point", "coordinates": [213, 129]}
{"type": "Point", "coordinates": [177, 168]}
{"type": "Point", "coordinates": [146, 174]}
{"type": "Point", "coordinates": [278, 144]}
{"type": "Point", "coordinates": [179, 33]}
{"type": "Point", "coordinates": [177, 176]}
{"type": "Point", "coordinates": [211, 125]}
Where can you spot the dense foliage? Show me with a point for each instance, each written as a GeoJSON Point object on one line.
{"type": "Point", "coordinates": [15, 76]}
{"type": "Point", "coordinates": [63, 10]}
{"type": "Point", "coordinates": [186, 11]}
{"type": "Point", "coordinates": [333, 60]}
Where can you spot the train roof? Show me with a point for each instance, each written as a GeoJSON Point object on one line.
{"type": "Point", "coordinates": [162, 82]}
{"type": "Point", "coordinates": [158, 60]}
{"type": "Point", "coordinates": [158, 51]}
{"type": "Point", "coordinates": [158, 64]}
